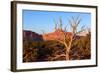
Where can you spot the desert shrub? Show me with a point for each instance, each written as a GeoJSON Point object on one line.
{"type": "Point", "coordinates": [81, 48]}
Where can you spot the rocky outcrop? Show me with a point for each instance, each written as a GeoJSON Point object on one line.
{"type": "Point", "coordinates": [29, 35]}
{"type": "Point", "coordinates": [58, 34]}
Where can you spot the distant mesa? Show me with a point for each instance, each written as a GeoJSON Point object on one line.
{"type": "Point", "coordinates": [57, 34]}
{"type": "Point", "coordinates": [30, 35]}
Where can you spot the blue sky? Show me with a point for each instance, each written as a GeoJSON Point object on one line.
{"type": "Point", "coordinates": [39, 21]}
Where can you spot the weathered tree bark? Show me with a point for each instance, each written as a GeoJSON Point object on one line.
{"type": "Point", "coordinates": [67, 55]}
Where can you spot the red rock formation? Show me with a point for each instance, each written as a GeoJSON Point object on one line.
{"type": "Point", "coordinates": [58, 34]}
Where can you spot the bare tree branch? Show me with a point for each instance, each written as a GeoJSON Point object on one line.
{"type": "Point", "coordinates": [74, 21]}
{"type": "Point", "coordinates": [65, 28]}
{"type": "Point", "coordinates": [60, 23]}
{"type": "Point", "coordinates": [56, 24]}
{"type": "Point", "coordinates": [57, 56]}
{"type": "Point", "coordinates": [82, 29]}
{"type": "Point", "coordinates": [78, 22]}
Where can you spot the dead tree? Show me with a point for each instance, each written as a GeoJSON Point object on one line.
{"type": "Point", "coordinates": [67, 40]}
